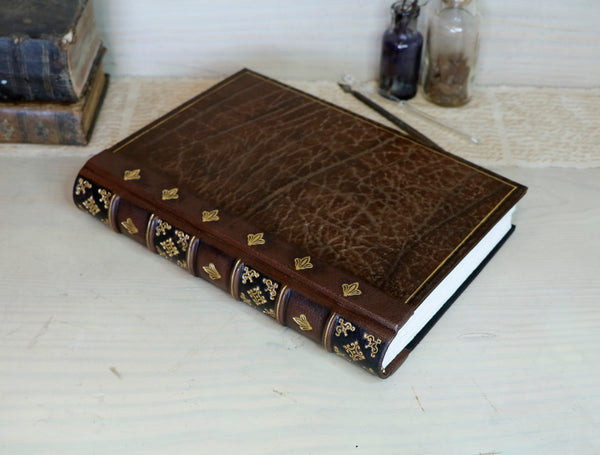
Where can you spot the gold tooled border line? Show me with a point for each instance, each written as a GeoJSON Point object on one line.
{"type": "Point", "coordinates": [191, 255]}
{"type": "Point", "coordinates": [232, 280]}
{"type": "Point", "coordinates": [149, 228]}
{"type": "Point", "coordinates": [459, 246]}
{"type": "Point", "coordinates": [279, 306]}
{"type": "Point", "coordinates": [112, 212]}
{"type": "Point", "coordinates": [328, 330]}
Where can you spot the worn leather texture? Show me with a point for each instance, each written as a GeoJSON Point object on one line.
{"type": "Point", "coordinates": [47, 49]}
{"type": "Point", "coordinates": [370, 207]}
{"type": "Point", "coordinates": [46, 122]}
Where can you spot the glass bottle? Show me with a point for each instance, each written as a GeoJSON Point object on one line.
{"type": "Point", "coordinates": [401, 49]}
{"type": "Point", "coordinates": [451, 53]}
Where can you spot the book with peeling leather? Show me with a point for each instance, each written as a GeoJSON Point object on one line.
{"type": "Point", "coordinates": [48, 49]}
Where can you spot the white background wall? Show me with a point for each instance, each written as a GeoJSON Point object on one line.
{"type": "Point", "coordinates": [542, 43]}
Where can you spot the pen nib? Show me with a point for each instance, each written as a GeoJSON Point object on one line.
{"type": "Point", "coordinates": [345, 87]}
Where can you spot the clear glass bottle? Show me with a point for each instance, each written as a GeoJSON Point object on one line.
{"type": "Point", "coordinates": [401, 49]}
{"type": "Point", "coordinates": [451, 52]}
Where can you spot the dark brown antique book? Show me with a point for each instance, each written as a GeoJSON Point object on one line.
{"type": "Point", "coordinates": [47, 49]}
{"type": "Point", "coordinates": [334, 225]}
{"type": "Point", "coordinates": [44, 122]}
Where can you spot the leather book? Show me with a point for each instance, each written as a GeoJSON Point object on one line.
{"type": "Point", "coordinates": [336, 226]}
{"type": "Point", "coordinates": [47, 49]}
{"type": "Point", "coordinates": [48, 122]}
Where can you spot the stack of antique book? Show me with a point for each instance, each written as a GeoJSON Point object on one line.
{"type": "Point", "coordinates": [52, 81]}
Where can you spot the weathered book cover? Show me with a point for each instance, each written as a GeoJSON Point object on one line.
{"type": "Point", "coordinates": [47, 49]}
{"type": "Point", "coordinates": [44, 122]}
{"type": "Point", "coordinates": [334, 225]}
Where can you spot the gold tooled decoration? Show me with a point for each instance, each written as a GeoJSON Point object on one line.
{"type": "Point", "coordinates": [91, 206]}
{"type": "Point", "coordinates": [338, 352]}
{"type": "Point", "coordinates": [257, 296]}
{"type": "Point", "coordinates": [169, 247]}
{"type": "Point", "coordinates": [183, 239]}
{"type": "Point", "coordinates": [344, 327]}
{"type": "Point", "coordinates": [82, 186]}
{"type": "Point", "coordinates": [303, 323]}
{"type": "Point", "coordinates": [270, 312]}
{"type": "Point", "coordinates": [256, 239]}
{"type": "Point", "coordinates": [351, 290]}
{"type": "Point", "coordinates": [249, 275]}
{"type": "Point", "coordinates": [354, 351]}
{"type": "Point", "coordinates": [132, 174]}
{"type": "Point", "coordinates": [105, 197]}
{"type": "Point", "coordinates": [207, 216]}
{"type": "Point", "coordinates": [162, 227]}
{"type": "Point", "coordinates": [245, 299]}
{"type": "Point", "coordinates": [373, 344]}
{"type": "Point", "coordinates": [212, 271]}
{"type": "Point", "coordinates": [170, 194]}
{"type": "Point", "coordinates": [130, 226]}
{"type": "Point", "coordinates": [303, 263]}
{"type": "Point", "coordinates": [271, 288]}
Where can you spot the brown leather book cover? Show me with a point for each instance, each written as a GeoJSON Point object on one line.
{"type": "Point", "coordinates": [334, 225]}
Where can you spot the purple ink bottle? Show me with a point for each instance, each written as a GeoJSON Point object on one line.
{"type": "Point", "coordinates": [401, 50]}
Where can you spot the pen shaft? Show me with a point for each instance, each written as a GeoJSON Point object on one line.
{"type": "Point", "coordinates": [409, 130]}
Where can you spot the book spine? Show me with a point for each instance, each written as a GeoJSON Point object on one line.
{"type": "Point", "coordinates": [334, 330]}
{"type": "Point", "coordinates": [41, 126]}
{"type": "Point", "coordinates": [53, 123]}
{"type": "Point", "coordinates": [35, 70]}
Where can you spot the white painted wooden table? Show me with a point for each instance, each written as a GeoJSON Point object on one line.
{"type": "Point", "coordinates": [108, 349]}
